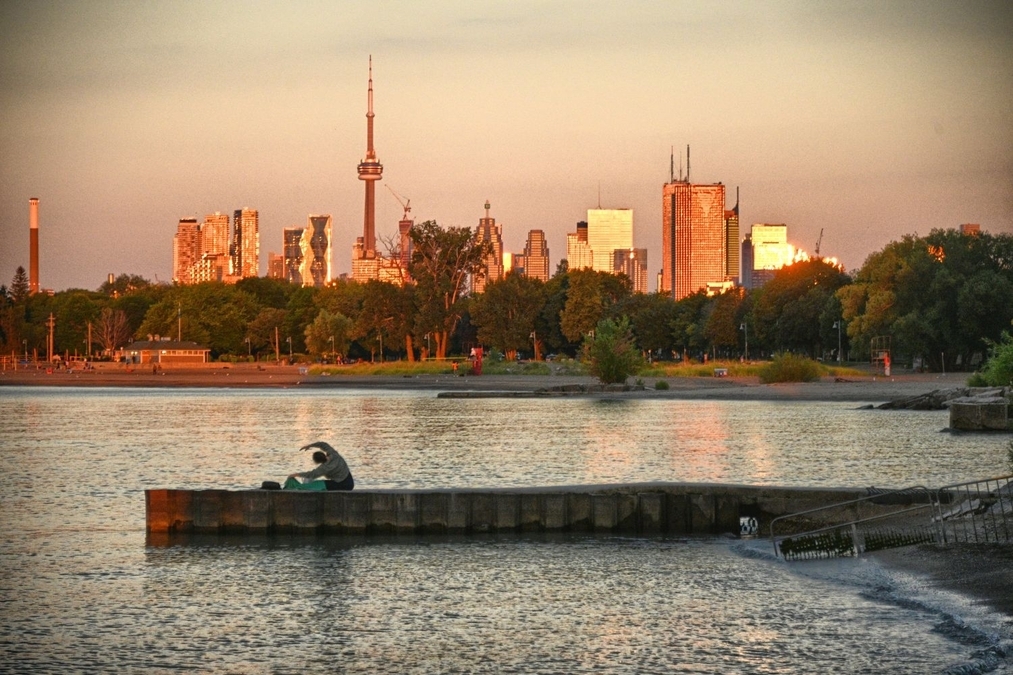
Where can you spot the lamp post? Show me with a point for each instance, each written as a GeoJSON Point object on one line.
{"type": "Point", "coordinates": [249, 349]}
{"type": "Point", "coordinates": [429, 350]}
{"type": "Point", "coordinates": [379, 337]}
{"type": "Point", "coordinates": [332, 348]}
{"type": "Point", "coordinates": [837, 325]}
{"type": "Point", "coordinates": [745, 330]}
{"type": "Point", "coordinates": [289, 341]}
{"type": "Point", "coordinates": [534, 344]}
{"type": "Point", "coordinates": [25, 343]}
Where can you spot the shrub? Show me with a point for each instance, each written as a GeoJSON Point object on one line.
{"type": "Point", "coordinates": [998, 370]}
{"type": "Point", "coordinates": [661, 384]}
{"type": "Point", "coordinates": [790, 368]}
{"type": "Point", "coordinates": [612, 354]}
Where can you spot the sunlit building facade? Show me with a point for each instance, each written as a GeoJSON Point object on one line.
{"type": "Point", "coordinates": [315, 267]}
{"type": "Point", "coordinates": [633, 263]}
{"type": "Point", "coordinates": [215, 234]}
{"type": "Point", "coordinates": [186, 249]}
{"type": "Point", "coordinates": [536, 256]}
{"type": "Point", "coordinates": [693, 237]}
{"type": "Point", "coordinates": [246, 243]}
{"type": "Point", "coordinates": [732, 258]}
{"type": "Point", "coordinates": [492, 270]}
{"type": "Point", "coordinates": [578, 251]}
{"type": "Point", "coordinates": [275, 266]}
{"type": "Point", "coordinates": [608, 230]}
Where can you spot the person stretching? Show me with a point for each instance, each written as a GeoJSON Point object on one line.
{"type": "Point", "coordinates": [332, 467]}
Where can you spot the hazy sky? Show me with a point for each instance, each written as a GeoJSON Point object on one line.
{"type": "Point", "coordinates": [869, 120]}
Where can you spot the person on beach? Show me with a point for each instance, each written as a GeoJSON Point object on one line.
{"type": "Point", "coordinates": [332, 468]}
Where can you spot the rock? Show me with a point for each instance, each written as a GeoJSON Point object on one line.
{"type": "Point", "coordinates": [979, 414]}
{"type": "Point", "coordinates": [933, 400]}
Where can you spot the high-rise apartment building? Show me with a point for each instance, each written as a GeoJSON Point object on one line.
{"type": "Point", "coordinates": [746, 276]}
{"type": "Point", "coordinates": [215, 234]}
{"type": "Point", "coordinates": [536, 256]}
{"type": "Point", "coordinates": [970, 229]}
{"type": "Point", "coordinates": [608, 230]}
{"type": "Point", "coordinates": [316, 250]}
{"type": "Point", "coordinates": [490, 232]}
{"type": "Point", "coordinates": [275, 265]}
{"type": "Point", "coordinates": [245, 243]}
{"type": "Point", "coordinates": [693, 236]}
{"type": "Point", "coordinates": [292, 253]}
{"type": "Point", "coordinates": [578, 252]}
{"type": "Point", "coordinates": [186, 249]}
{"type": "Point", "coordinates": [633, 263]}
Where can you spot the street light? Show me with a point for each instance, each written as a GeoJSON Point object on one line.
{"type": "Point", "coordinates": [249, 349]}
{"type": "Point", "coordinates": [289, 341]}
{"type": "Point", "coordinates": [837, 325]}
{"type": "Point", "coordinates": [332, 348]}
{"type": "Point", "coordinates": [745, 329]}
{"type": "Point", "coordinates": [380, 338]}
{"type": "Point", "coordinates": [25, 343]}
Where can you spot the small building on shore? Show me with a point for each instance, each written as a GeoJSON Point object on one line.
{"type": "Point", "coordinates": [165, 352]}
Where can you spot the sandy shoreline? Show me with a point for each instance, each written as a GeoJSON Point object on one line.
{"type": "Point", "coordinates": [860, 389]}
{"type": "Point", "coordinates": [982, 573]}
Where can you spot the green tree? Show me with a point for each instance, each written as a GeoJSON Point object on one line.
{"type": "Point", "coordinates": [591, 296]}
{"type": "Point", "coordinates": [387, 316]}
{"type": "Point", "coordinates": [442, 262]}
{"type": "Point", "coordinates": [326, 327]}
{"type": "Point", "coordinates": [266, 331]}
{"type": "Point", "coordinates": [721, 329]}
{"type": "Point", "coordinates": [611, 353]}
{"type": "Point", "coordinates": [506, 312]}
{"type": "Point", "coordinates": [651, 315]}
{"type": "Point", "coordinates": [19, 285]}
{"type": "Point", "coordinates": [124, 284]}
{"type": "Point", "coordinates": [688, 322]}
{"type": "Point", "coordinates": [212, 314]}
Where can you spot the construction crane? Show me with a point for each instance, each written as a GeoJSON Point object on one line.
{"type": "Point", "coordinates": [818, 242]}
{"type": "Point", "coordinates": [405, 203]}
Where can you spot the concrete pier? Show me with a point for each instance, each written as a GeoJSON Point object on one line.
{"type": "Point", "coordinates": [640, 509]}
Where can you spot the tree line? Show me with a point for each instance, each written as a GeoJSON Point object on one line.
{"type": "Point", "coordinates": [942, 298]}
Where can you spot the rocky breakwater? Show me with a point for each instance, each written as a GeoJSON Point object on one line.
{"type": "Point", "coordinates": [971, 408]}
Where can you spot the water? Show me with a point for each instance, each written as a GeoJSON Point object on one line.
{"type": "Point", "coordinates": [80, 588]}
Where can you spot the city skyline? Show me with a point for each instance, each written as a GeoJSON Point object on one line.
{"type": "Point", "coordinates": [864, 121]}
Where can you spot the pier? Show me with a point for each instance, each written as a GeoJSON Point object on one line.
{"type": "Point", "coordinates": [634, 509]}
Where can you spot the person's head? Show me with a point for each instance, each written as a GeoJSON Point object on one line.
{"type": "Point", "coordinates": [319, 457]}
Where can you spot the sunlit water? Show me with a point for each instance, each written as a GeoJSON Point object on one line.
{"type": "Point", "coordinates": [81, 590]}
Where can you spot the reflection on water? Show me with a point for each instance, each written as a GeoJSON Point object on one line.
{"type": "Point", "coordinates": [78, 585]}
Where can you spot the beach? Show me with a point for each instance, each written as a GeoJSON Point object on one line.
{"type": "Point", "coordinates": [984, 573]}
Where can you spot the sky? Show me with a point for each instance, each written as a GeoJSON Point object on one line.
{"type": "Point", "coordinates": [865, 121]}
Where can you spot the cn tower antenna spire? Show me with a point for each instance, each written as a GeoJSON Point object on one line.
{"type": "Point", "coordinates": [370, 171]}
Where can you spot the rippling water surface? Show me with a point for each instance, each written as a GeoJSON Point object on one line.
{"type": "Point", "coordinates": [80, 589]}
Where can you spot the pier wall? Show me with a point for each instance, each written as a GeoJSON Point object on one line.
{"type": "Point", "coordinates": [642, 509]}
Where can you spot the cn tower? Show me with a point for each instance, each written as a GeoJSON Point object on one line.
{"type": "Point", "coordinates": [370, 170]}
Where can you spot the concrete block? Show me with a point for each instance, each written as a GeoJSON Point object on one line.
{"type": "Point", "coordinates": [529, 517]}
{"type": "Point", "coordinates": [554, 512]}
{"type": "Point", "coordinates": [382, 513]}
{"type": "Point", "coordinates": [726, 513]}
{"type": "Point", "coordinates": [677, 518]}
{"type": "Point", "coordinates": [626, 513]}
{"type": "Point", "coordinates": [650, 507]}
{"type": "Point", "coordinates": [433, 512]}
{"type": "Point", "coordinates": [604, 510]}
{"type": "Point", "coordinates": [701, 513]}
{"type": "Point", "coordinates": [233, 513]}
{"type": "Point", "coordinates": [207, 511]}
{"type": "Point", "coordinates": [257, 509]}
{"type": "Point", "coordinates": [284, 513]}
{"type": "Point", "coordinates": [981, 415]}
{"type": "Point", "coordinates": [483, 512]}
{"type": "Point", "coordinates": [309, 510]}
{"type": "Point", "coordinates": [579, 512]}
{"type": "Point", "coordinates": [506, 512]}
{"type": "Point", "coordinates": [157, 514]}
{"type": "Point", "coordinates": [333, 519]}
{"type": "Point", "coordinates": [458, 511]}
{"type": "Point", "coordinates": [407, 513]}
{"type": "Point", "coordinates": [357, 511]}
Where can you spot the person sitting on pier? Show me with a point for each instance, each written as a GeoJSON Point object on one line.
{"type": "Point", "coordinates": [332, 468]}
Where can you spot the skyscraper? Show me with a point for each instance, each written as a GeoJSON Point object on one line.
{"type": "Point", "coordinates": [771, 252]}
{"type": "Point", "coordinates": [578, 252]}
{"type": "Point", "coordinates": [536, 256]}
{"type": "Point", "coordinates": [692, 235]}
{"type": "Point", "coordinates": [275, 265]}
{"type": "Point", "coordinates": [370, 171]}
{"type": "Point", "coordinates": [633, 263]}
{"type": "Point", "coordinates": [608, 230]}
{"type": "Point", "coordinates": [316, 251]}
{"type": "Point", "coordinates": [33, 244]}
{"type": "Point", "coordinates": [292, 252]}
{"type": "Point", "coordinates": [732, 241]}
{"type": "Point", "coordinates": [489, 231]}
{"type": "Point", "coordinates": [186, 249]}
{"type": "Point", "coordinates": [215, 234]}
{"type": "Point", "coordinates": [246, 243]}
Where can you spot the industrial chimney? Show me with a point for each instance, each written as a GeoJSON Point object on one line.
{"type": "Point", "coordinates": [33, 233]}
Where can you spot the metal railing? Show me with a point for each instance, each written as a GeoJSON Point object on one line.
{"type": "Point", "coordinates": [979, 511]}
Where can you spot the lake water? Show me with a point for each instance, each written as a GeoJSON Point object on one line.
{"type": "Point", "coordinates": [80, 588]}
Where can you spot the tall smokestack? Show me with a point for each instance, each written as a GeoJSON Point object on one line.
{"type": "Point", "coordinates": [33, 233]}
